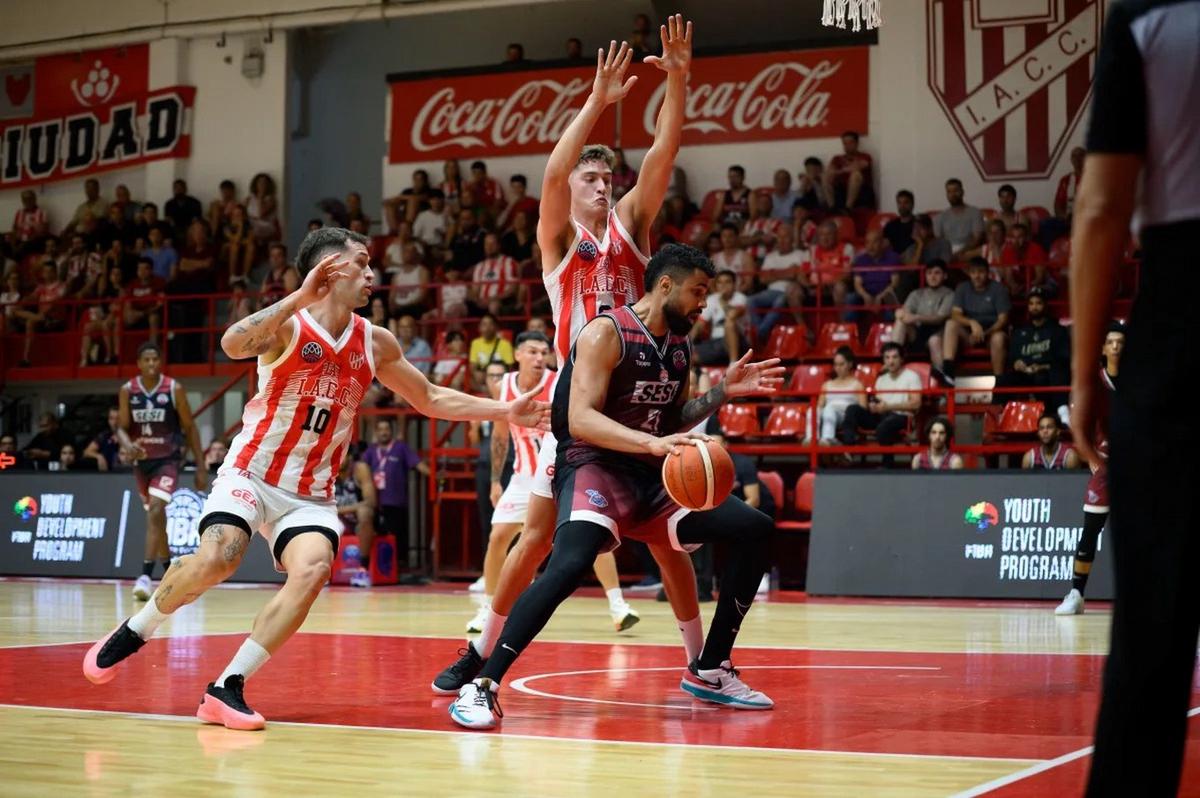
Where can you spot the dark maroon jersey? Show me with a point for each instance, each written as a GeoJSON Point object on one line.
{"type": "Point", "coordinates": [646, 390]}
{"type": "Point", "coordinates": [155, 419]}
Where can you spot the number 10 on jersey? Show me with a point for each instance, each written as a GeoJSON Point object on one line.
{"type": "Point", "coordinates": [316, 420]}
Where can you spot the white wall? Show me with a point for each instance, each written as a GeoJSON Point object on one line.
{"type": "Point", "coordinates": [238, 128]}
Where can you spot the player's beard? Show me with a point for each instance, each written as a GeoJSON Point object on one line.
{"type": "Point", "coordinates": [679, 323]}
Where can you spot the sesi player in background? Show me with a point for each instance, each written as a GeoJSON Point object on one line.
{"type": "Point", "coordinates": [594, 256]}
{"type": "Point", "coordinates": [1095, 503]}
{"type": "Point", "coordinates": [316, 359]}
{"type": "Point", "coordinates": [154, 416]}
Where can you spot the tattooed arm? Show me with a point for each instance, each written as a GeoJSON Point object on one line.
{"type": "Point", "coordinates": [742, 378]}
{"type": "Point", "coordinates": [703, 406]}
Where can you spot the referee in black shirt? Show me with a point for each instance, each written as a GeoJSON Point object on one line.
{"type": "Point", "coordinates": [1145, 123]}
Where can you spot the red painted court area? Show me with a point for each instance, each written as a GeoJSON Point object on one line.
{"type": "Point", "coordinates": [971, 705]}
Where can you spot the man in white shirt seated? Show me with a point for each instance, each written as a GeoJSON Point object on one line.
{"type": "Point", "coordinates": [890, 407]}
{"type": "Point", "coordinates": [782, 270]}
{"type": "Point", "coordinates": [723, 320]}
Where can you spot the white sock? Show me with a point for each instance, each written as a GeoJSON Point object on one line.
{"type": "Point", "coordinates": [693, 637]}
{"type": "Point", "coordinates": [492, 628]}
{"type": "Point", "coordinates": [147, 620]}
{"type": "Point", "coordinates": [615, 599]}
{"type": "Point", "coordinates": [248, 659]}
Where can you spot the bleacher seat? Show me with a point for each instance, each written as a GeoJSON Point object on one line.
{"type": "Point", "coordinates": [803, 500]}
{"type": "Point", "coordinates": [846, 229]}
{"type": "Point", "coordinates": [709, 205]}
{"type": "Point", "coordinates": [1036, 214]}
{"type": "Point", "coordinates": [808, 379]}
{"type": "Point", "coordinates": [739, 420]}
{"type": "Point", "coordinates": [879, 220]}
{"type": "Point", "coordinates": [835, 334]}
{"type": "Point", "coordinates": [772, 482]}
{"type": "Point", "coordinates": [1060, 251]}
{"type": "Point", "coordinates": [923, 371]}
{"type": "Point", "coordinates": [787, 342]}
{"type": "Point", "coordinates": [867, 373]}
{"type": "Point", "coordinates": [695, 231]}
{"type": "Point", "coordinates": [786, 421]}
{"type": "Point", "coordinates": [879, 334]}
{"type": "Point", "coordinates": [1019, 418]}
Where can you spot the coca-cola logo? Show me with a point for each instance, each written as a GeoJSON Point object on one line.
{"type": "Point", "coordinates": [771, 99]}
{"type": "Point", "coordinates": [536, 111]}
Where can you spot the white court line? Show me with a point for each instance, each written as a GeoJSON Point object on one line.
{"type": "Point", "coordinates": [546, 737]}
{"type": "Point", "coordinates": [521, 685]}
{"type": "Point", "coordinates": [94, 639]}
{"type": "Point", "coordinates": [1033, 770]}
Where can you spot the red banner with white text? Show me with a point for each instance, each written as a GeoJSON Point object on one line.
{"type": "Point", "coordinates": [793, 94]}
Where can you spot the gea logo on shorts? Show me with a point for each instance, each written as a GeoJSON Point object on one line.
{"type": "Point", "coordinates": [245, 497]}
{"type": "Point", "coordinates": [311, 352]}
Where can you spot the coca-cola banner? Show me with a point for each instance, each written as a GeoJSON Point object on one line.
{"type": "Point", "coordinates": [793, 94]}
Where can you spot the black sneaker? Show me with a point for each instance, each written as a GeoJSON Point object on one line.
{"type": "Point", "coordinates": [462, 672]}
{"type": "Point", "coordinates": [227, 707]}
{"type": "Point", "coordinates": [107, 653]}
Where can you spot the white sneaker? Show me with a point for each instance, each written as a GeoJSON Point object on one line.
{"type": "Point", "coordinates": [623, 616]}
{"type": "Point", "coordinates": [476, 586]}
{"type": "Point", "coordinates": [477, 705]}
{"type": "Point", "coordinates": [475, 625]}
{"type": "Point", "coordinates": [360, 578]}
{"type": "Point", "coordinates": [1071, 605]}
{"type": "Point", "coordinates": [143, 588]}
{"type": "Point", "coordinates": [765, 585]}
{"type": "Point", "coordinates": [722, 685]}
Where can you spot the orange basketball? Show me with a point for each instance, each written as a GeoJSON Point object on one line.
{"type": "Point", "coordinates": [700, 477]}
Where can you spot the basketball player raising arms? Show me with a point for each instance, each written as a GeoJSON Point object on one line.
{"type": "Point", "coordinates": [154, 416]}
{"type": "Point", "coordinates": [619, 409]}
{"type": "Point", "coordinates": [593, 256]}
{"type": "Point", "coordinates": [316, 359]}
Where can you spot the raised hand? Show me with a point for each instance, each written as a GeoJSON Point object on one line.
{"type": "Point", "coordinates": [676, 46]}
{"type": "Point", "coordinates": [744, 378]}
{"type": "Point", "coordinates": [525, 411]}
{"type": "Point", "coordinates": [320, 280]}
{"type": "Point", "coordinates": [610, 84]}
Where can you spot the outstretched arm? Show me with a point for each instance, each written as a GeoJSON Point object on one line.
{"type": "Point", "coordinates": [554, 210]}
{"type": "Point", "coordinates": [638, 208]}
{"type": "Point", "coordinates": [743, 378]}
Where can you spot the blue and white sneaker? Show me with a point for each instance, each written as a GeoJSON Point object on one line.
{"type": "Point", "coordinates": [477, 705]}
{"type": "Point", "coordinates": [722, 685]}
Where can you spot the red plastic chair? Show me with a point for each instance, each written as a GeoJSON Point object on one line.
{"type": "Point", "coordinates": [787, 342]}
{"type": "Point", "coordinates": [804, 493]}
{"type": "Point", "coordinates": [867, 373]}
{"type": "Point", "coordinates": [1019, 418]}
{"type": "Point", "coordinates": [833, 335]}
{"type": "Point", "coordinates": [786, 421]}
{"type": "Point", "coordinates": [880, 220]}
{"type": "Point", "coordinates": [988, 213]}
{"type": "Point", "coordinates": [1036, 214]}
{"type": "Point", "coordinates": [1060, 251]}
{"type": "Point", "coordinates": [739, 420]}
{"type": "Point", "coordinates": [695, 231]}
{"type": "Point", "coordinates": [809, 379]}
{"type": "Point", "coordinates": [709, 204]}
{"type": "Point", "coordinates": [773, 482]}
{"type": "Point", "coordinates": [879, 334]}
{"type": "Point", "coordinates": [715, 374]}
{"type": "Point", "coordinates": [846, 228]}
{"type": "Point", "coordinates": [922, 371]}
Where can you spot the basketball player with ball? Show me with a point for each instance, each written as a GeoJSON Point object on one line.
{"type": "Point", "coordinates": [618, 409]}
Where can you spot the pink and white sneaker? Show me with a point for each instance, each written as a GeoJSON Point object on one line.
{"type": "Point", "coordinates": [100, 662]}
{"type": "Point", "coordinates": [226, 707]}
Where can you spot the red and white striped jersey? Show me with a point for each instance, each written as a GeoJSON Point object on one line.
{"type": "Point", "coordinates": [296, 428]}
{"type": "Point", "coordinates": [591, 276]}
{"type": "Point", "coordinates": [526, 440]}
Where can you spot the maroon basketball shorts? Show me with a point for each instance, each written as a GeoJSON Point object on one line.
{"type": "Point", "coordinates": [156, 478]}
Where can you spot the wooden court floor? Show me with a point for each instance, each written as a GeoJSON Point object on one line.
{"type": "Point", "coordinates": [873, 698]}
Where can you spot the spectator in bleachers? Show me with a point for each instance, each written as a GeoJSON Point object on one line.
{"type": "Point", "coordinates": [125, 203]}
{"type": "Point", "coordinates": [1008, 213]}
{"type": "Point", "coordinates": [783, 268]}
{"type": "Point", "coordinates": [355, 212]}
{"type": "Point", "coordinates": [91, 227]}
{"type": "Point", "coordinates": [214, 455]}
{"type": "Point", "coordinates": [143, 303]}
{"type": "Point", "coordinates": [920, 322]}
{"type": "Point", "coordinates": [68, 460]}
{"type": "Point", "coordinates": [30, 225]}
{"type": "Point", "coordinates": [92, 204]}
{"type": "Point", "coordinates": [514, 53]}
{"type": "Point", "coordinates": [262, 209]}
{"type": "Point", "coordinates": [390, 460]}
{"type": "Point", "coordinates": [452, 296]}
{"type": "Point", "coordinates": [99, 342]}
{"type": "Point", "coordinates": [1026, 254]}
{"type": "Point", "coordinates": [926, 246]}
{"type": "Point", "coordinates": [46, 315]}
{"type": "Point", "coordinates": [979, 317]}
{"type": "Point", "coordinates": [624, 176]}
{"type": "Point", "coordinates": [241, 304]}
{"type": "Point", "coordinates": [115, 228]}
{"type": "Point", "coordinates": [782, 196]}
{"type": "Point", "coordinates": [452, 367]}
{"type": "Point", "coordinates": [938, 456]}
{"type": "Point", "coordinates": [466, 243]}
{"type": "Point", "coordinates": [272, 285]}
{"type": "Point", "coordinates": [10, 299]}
{"type": "Point", "coordinates": [1051, 454]}
{"type": "Point", "coordinates": [995, 250]}
{"type": "Point", "coordinates": [220, 210]}
{"type": "Point", "coordinates": [488, 194]}
{"type": "Point", "coordinates": [377, 311]}
{"type": "Point", "coordinates": [118, 257]}
{"type": "Point", "coordinates": [874, 285]}
{"type": "Point", "coordinates": [1068, 185]}
{"type": "Point", "coordinates": [641, 41]}
{"type": "Point", "coordinates": [451, 183]}
{"type": "Point", "coordinates": [731, 257]}
{"type": "Point", "coordinates": [51, 254]}
{"type": "Point", "coordinates": [720, 330]}
{"type": "Point", "coordinates": [411, 201]}
{"type": "Point", "coordinates": [804, 228]}
{"type": "Point", "coordinates": [899, 231]}
{"type": "Point", "coordinates": [574, 49]}
{"type": "Point", "coordinates": [521, 202]}
{"type": "Point", "coordinates": [237, 244]}
{"type": "Point", "coordinates": [147, 220]}
{"type": "Point", "coordinates": [733, 204]}
{"type": "Point", "coordinates": [758, 232]}
{"type": "Point", "coordinates": [488, 347]}
{"type": "Point", "coordinates": [895, 401]}
{"type": "Point", "coordinates": [160, 254]}
{"type": "Point", "coordinates": [408, 280]}
{"type": "Point", "coordinates": [8, 446]}
{"type": "Point", "coordinates": [48, 442]}
{"type": "Point", "coordinates": [196, 274]}
{"type": "Point", "coordinates": [848, 182]}
{"type": "Point", "coordinates": [82, 269]}
{"type": "Point", "coordinates": [495, 280]}
{"type": "Point", "coordinates": [416, 349]}
{"type": "Point", "coordinates": [519, 241]}
{"type": "Point", "coordinates": [828, 265]}
{"type": "Point", "coordinates": [812, 186]}
{"type": "Point", "coordinates": [1040, 354]}
{"type": "Point", "coordinates": [960, 224]}
{"type": "Point", "coordinates": [431, 225]}
{"type": "Point", "coordinates": [181, 210]}
{"type": "Point", "coordinates": [104, 445]}
{"type": "Point", "coordinates": [839, 393]}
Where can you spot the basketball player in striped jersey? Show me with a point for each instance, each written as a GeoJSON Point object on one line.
{"type": "Point", "coordinates": [593, 257]}
{"type": "Point", "coordinates": [316, 359]}
{"type": "Point", "coordinates": [154, 415]}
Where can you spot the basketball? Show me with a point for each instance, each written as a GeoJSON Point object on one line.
{"type": "Point", "coordinates": [700, 477]}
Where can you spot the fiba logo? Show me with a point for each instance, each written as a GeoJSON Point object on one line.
{"type": "Point", "coordinates": [25, 508]}
{"type": "Point", "coordinates": [587, 250]}
{"type": "Point", "coordinates": [311, 352]}
{"type": "Point", "coordinates": [100, 86]}
{"type": "Point", "coordinates": [981, 515]}
{"type": "Point", "coordinates": [183, 521]}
